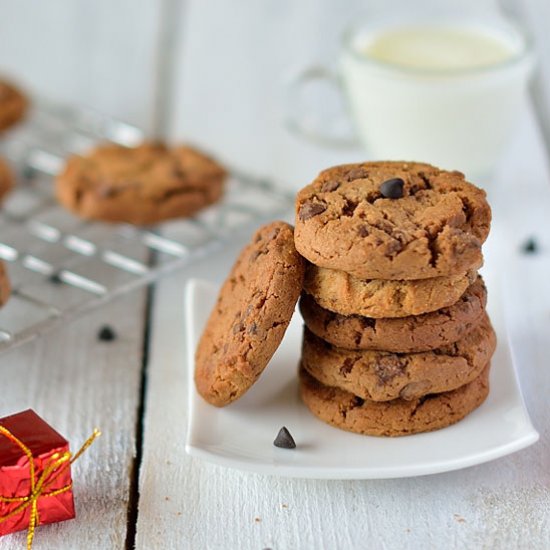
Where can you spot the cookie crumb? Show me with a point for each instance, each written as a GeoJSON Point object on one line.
{"type": "Point", "coordinates": [530, 246]}
{"type": "Point", "coordinates": [458, 518]}
{"type": "Point", "coordinates": [106, 334]}
{"type": "Point", "coordinates": [284, 440]}
{"type": "Point", "coordinates": [257, 520]}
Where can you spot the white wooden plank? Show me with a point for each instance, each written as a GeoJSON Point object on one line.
{"type": "Point", "coordinates": [76, 384]}
{"type": "Point", "coordinates": [100, 54]}
{"type": "Point", "coordinates": [186, 503]}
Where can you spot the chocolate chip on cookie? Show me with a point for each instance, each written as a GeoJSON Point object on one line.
{"type": "Point", "coordinates": [435, 229]}
{"type": "Point", "coordinates": [392, 188]}
{"type": "Point", "coordinates": [140, 185]}
{"type": "Point", "coordinates": [253, 310]}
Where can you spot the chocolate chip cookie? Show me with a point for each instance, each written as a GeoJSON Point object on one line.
{"type": "Point", "coordinates": [403, 335]}
{"type": "Point", "coordinates": [343, 293]}
{"type": "Point", "coordinates": [5, 287]}
{"type": "Point", "coordinates": [140, 185]}
{"type": "Point", "coordinates": [345, 221]}
{"type": "Point", "coordinates": [392, 418]}
{"type": "Point", "coordinates": [383, 376]}
{"type": "Point", "coordinates": [13, 105]}
{"type": "Point", "coordinates": [6, 179]}
{"type": "Point", "coordinates": [251, 315]}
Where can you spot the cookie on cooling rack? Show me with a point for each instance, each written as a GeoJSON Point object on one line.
{"type": "Point", "coordinates": [140, 185]}
{"type": "Point", "coordinates": [5, 287]}
{"type": "Point", "coordinates": [6, 179]}
{"type": "Point", "coordinates": [13, 105]}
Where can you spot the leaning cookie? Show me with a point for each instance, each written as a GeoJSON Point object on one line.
{"type": "Point", "coordinates": [343, 293]}
{"type": "Point", "coordinates": [383, 376]}
{"type": "Point", "coordinates": [348, 412]}
{"type": "Point", "coordinates": [6, 179]}
{"type": "Point", "coordinates": [13, 105]}
{"type": "Point", "coordinates": [403, 335]}
{"type": "Point", "coordinates": [392, 220]}
{"type": "Point", "coordinates": [140, 185]}
{"type": "Point", "coordinates": [252, 313]}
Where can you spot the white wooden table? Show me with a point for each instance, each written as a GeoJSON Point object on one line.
{"type": "Point", "coordinates": [136, 486]}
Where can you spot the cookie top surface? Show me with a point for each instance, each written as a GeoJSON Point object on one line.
{"type": "Point", "coordinates": [253, 310]}
{"type": "Point", "coordinates": [383, 376]}
{"type": "Point", "coordinates": [135, 184]}
{"type": "Point", "coordinates": [435, 229]}
{"type": "Point", "coordinates": [343, 293]}
{"type": "Point", "coordinates": [404, 334]}
{"type": "Point", "coordinates": [6, 178]}
{"type": "Point", "coordinates": [399, 417]}
{"type": "Point", "coordinates": [13, 104]}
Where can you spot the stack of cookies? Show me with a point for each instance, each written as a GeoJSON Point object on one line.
{"type": "Point", "coordinates": [396, 338]}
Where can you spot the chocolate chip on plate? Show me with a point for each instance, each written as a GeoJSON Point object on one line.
{"type": "Point", "coordinates": [530, 246]}
{"type": "Point", "coordinates": [106, 334]}
{"type": "Point", "coordinates": [392, 188]}
{"type": "Point", "coordinates": [284, 440]}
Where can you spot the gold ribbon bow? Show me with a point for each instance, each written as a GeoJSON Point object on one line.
{"type": "Point", "coordinates": [39, 487]}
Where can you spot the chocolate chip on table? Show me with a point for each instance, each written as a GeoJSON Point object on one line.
{"type": "Point", "coordinates": [310, 209]}
{"type": "Point", "coordinates": [106, 334]}
{"type": "Point", "coordinates": [392, 188]}
{"type": "Point", "coordinates": [55, 279]}
{"type": "Point", "coordinates": [284, 440]}
{"type": "Point", "coordinates": [530, 246]}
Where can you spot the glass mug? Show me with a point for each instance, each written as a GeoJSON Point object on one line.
{"type": "Point", "coordinates": [456, 116]}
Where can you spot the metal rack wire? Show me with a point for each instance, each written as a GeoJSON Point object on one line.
{"type": "Point", "coordinates": [61, 266]}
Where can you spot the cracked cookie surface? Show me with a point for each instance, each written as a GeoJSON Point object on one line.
{"type": "Point", "coordinates": [252, 313]}
{"type": "Point", "coordinates": [392, 418]}
{"type": "Point", "coordinates": [436, 229]}
{"type": "Point", "coordinates": [383, 376]}
{"type": "Point", "coordinates": [140, 185]}
{"type": "Point", "coordinates": [343, 293]}
{"type": "Point", "coordinates": [401, 334]}
{"type": "Point", "coordinates": [13, 105]}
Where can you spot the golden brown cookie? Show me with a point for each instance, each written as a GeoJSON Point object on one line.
{"type": "Point", "coordinates": [392, 418]}
{"type": "Point", "coordinates": [5, 287]}
{"type": "Point", "coordinates": [345, 221]}
{"type": "Point", "coordinates": [403, 335]}
{"type": "Point", "coordinates": [140, 185]}
{"type": "Point", "coordinates": [383, 376]}
{"type": "Point", "coordinates": [343, 293]}
{"type": "Point", "coordinates": [253, 310]}
{"type": "Point", "coordinates": [13, 105]}
{"type": "Point", "coordinates": [6, 179]}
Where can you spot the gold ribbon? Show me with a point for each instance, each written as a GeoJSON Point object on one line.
{"type": "Point", "coordinates": [39, 487]}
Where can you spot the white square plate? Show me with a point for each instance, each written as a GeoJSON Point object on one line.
{"type": "Point", "coordinates": [241, 435]}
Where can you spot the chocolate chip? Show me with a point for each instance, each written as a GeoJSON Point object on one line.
{"type": "Point", "coordinates": [237, 327]}
{"type": "Point", "coordinates": [363, 231]}
{"type": "Point", "coordinates": [329, 186]}
{"type": "Point", "coordinates": [55, 279]}
{"type": "Point", "coordinates": [347, 367]}
{"type": "Point", "coordinates": [530, 246]}
{"type": "Point", "coordinates": [106, 334]}
{"type": "Point", "coordinates": [310, 209]}
{"type": "Point", "coordinates": [356, 173]}
{"type": "Point", "coordinates": [253, 329]}
{"type": "Point", "coordinates": [284, 440]}
{"type": "Point", "coordinates": [392, 188]}
{"type": "Point", "coordinates": [357, 401]}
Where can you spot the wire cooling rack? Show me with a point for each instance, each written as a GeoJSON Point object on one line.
{"type": "Point", "coordinates": [61, 266]}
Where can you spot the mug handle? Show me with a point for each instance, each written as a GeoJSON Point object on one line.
{"type": "Point", "coordinates": [302, 121]}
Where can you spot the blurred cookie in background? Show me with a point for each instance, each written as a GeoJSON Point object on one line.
{"type": "Point", "coordinates": [13, 105]}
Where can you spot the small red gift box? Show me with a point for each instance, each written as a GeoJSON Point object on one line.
{"type": "Point", "coordinates": [35, 473]}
